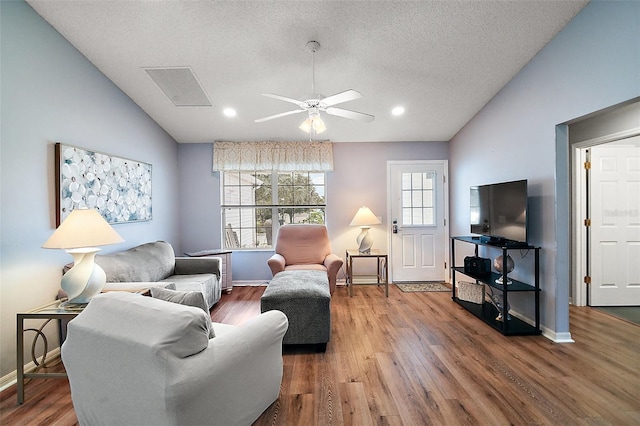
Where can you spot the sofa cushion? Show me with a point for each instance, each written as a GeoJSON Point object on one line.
{"type": "Point", "coordinates": [187, 298]}
{"type": "Point", "coordinates": [146, 262]}
{"type": "Point", "coordinates": [138, 286]}
{"type": "Point", "coordinates": [208, 284]}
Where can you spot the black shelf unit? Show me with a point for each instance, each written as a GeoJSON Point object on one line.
{"type": "Point", "coordinates": [486, 311]}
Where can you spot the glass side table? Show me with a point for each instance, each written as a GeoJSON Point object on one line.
{"type": "Point", "coordinates": [381, 277]}
{"type": "Point", "coordinates": [47, 313]}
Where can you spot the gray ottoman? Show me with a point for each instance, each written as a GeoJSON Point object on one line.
{"type": "Point", "coordinates": [305, 299]}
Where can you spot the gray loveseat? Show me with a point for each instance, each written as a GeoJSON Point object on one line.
{"type": "Point", "coordinates": [156, 263]}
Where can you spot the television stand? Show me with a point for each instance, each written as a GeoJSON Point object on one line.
{"type": "Point", "coordinates": [508, 325]}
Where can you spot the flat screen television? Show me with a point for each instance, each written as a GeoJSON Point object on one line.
{"type": "Point", "coordinates": [499, 211]}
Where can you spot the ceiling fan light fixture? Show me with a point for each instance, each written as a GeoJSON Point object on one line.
{"type": "Point", "coordinates": [317, 103]}
{"type": "Point", "coordinates": [318, 125]}
{"type": "Point", "coordinates": [306, 125]}
{"type": "Point", "coordinates": [313, 122]}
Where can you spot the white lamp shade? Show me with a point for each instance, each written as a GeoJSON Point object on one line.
{"type": "Point", "coordinates": [83, 228]}
{"type": "Point", "coordinates": [364, 217]}
{"type": "Point", "coordinates": [79, 233]}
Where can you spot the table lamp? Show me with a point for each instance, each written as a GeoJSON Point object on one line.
{"type": "Point", "coordinates": [78, 234]}
{"type": "Point", "coordinates": [364, 218]}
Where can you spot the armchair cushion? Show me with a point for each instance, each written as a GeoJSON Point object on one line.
{"type": "Point", "coordinates": [147, 322]}
{"type": "Point", "coordinates": [303, 244]}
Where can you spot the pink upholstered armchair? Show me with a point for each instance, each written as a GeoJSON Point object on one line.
{"type": "Point", "coordinates": [305, 247]}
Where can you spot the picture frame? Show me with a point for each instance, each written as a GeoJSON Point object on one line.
{"type": "Point", "coordinates": [119, 188]}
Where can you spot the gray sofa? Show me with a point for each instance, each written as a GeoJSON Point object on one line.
{"type": "Point", "coordinates": [155, 264]}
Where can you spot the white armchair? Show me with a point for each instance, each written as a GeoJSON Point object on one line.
{"type": "Point", "coordinates": [133, 359]}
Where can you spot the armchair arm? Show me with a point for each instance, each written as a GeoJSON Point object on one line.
{"type": "Point", "coordinates": [198, 265]}
{"type": "Point", "coordinates": [333, 263]}
{"type": "Point", "coordinates": [276, 263]}
{"type": "Point", "coordinates": [235, 378]}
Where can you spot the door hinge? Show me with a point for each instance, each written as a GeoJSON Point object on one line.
{"type": "Point", "coordinates": [445, 222]}
{"type": "Point", "coordinates": [587, 222]}
{"type": "Point", "coordinates": [445, 265]}
{"type": "Point", "coordinates": [444, 179]}
{"type": "Point", "coordinates": [587, 165]}
{"type": "Point", "coordinates": [587, 279]}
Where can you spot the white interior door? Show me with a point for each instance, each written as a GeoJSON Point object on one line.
{"type": "Point", "coordinates": [417, 208]}
{"type": "Point", "coordinates": [615, 223]}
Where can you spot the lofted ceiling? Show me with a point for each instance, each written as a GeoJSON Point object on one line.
{"type": "Point", "coordinates": [441, 60]}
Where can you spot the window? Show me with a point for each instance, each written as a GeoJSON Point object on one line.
{"type": "Point", "coordinates": [254, 204]}
{"type": "Point", "coordinates": [418, 198]}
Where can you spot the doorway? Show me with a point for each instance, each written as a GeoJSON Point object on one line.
{"type": "Point", "coordinates": [418, 208]}
{"type": "Point", "coordinates": [613, 234]}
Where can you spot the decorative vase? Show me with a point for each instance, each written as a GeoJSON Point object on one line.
{"type": "Point", "coordinates": [498, 263]}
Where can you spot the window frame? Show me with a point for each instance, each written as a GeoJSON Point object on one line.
{"type": "Point", "coordinates": [233, 239]}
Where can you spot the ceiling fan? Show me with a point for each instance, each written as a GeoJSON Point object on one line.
{"type": "Point", "coordinates": [317, 103]}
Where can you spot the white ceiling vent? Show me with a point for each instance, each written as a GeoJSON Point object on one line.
{"type": "Point", "coordinates": [180, 85]}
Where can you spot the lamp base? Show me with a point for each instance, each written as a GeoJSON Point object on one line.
{"type": "Point", "coordinates": [85, 279]}
{"type": "Point", "coordinates": [72, 307]}
{"type": "Point", "coordinates": [364, 240]}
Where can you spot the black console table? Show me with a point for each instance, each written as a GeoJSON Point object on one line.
{"type": "Point", "coordinates": [508, 325]}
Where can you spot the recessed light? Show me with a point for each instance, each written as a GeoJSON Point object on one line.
{"type": "Point", "coordinates": [399, 110]}
{"type": "Point", "coordinates": [229, 112]}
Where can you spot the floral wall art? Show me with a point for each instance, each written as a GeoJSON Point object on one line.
{"type": "Point", "coordinates": [119, 188]}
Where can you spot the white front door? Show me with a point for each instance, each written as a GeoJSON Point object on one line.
{"type": "Point", "coordinates": [418, 211]}
{"type": "Point", "coordinates": [615, 223]}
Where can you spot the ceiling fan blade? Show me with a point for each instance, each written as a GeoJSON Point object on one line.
{"type": "Point", "coordinates": [360, 116]}
{"type": "Point", "coordinates": [284, 98]}
{"type": "Point", "coordinates": [338, 98]}
{"type": "Point", "coordinates": [282, 114]}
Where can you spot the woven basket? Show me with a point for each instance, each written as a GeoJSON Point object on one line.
{"type": "Point", "coordinates": [470, 292]}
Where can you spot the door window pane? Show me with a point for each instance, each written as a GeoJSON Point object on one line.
{"type": "Point", "coordinates": [418, 198]}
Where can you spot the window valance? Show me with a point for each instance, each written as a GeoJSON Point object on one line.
{"type": "Point", "coordinates": [269, 155]}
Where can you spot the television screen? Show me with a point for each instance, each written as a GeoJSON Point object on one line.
{"type": "Point", "coordinates": [500, 210]}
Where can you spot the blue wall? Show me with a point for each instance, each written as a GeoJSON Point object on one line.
{"type": "Point", "coordinates": [52, 93]}
{"type": "Point", "coordinates": [594, 62]}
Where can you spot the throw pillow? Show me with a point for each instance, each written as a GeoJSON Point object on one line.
{"type": "Point", "coordinates": [188, 298]}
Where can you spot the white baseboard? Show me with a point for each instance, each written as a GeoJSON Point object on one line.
{"type": "Point", "coordinates": [564, 337]}
{"type": "Point", "coordinates": [12, 378]}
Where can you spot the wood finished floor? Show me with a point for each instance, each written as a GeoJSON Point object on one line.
{"type": "Point", "coordinates": [420, 359]}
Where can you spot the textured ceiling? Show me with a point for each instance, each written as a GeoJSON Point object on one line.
{"type": "Point", "coordinates": [442, 60]}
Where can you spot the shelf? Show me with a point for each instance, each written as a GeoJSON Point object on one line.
{"type": "Point", "coordinates": [488, 313]}
{"type": "Point", "coordinates": [512, 246]}
{"type": "Point", "coordinates": [490, 280]}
